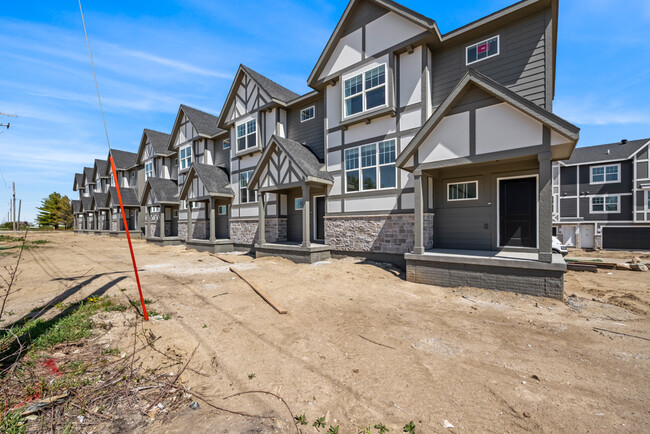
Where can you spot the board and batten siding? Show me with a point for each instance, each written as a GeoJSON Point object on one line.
{"type": "Point", "coordinates": [520, 65]}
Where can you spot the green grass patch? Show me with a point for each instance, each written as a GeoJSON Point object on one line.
{"type": "Point", "coordinates": [10, 239]}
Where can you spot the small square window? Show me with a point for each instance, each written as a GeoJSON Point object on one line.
{"type": "Point", "coordinates": [462, 191]}
{"type": "Point", "coordinates": [222, 209]}
{"type": "Point", "coordinates": [307, 114]}
{"type": "Point", "coordinates": [299, 204]}
{"type": "Point", "coordinates": [226, 144]}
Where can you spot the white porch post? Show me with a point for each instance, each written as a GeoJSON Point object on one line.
{"type": "Point", "coordinates": [161, 221]}
{"type": "Point", "coordinates": [418, 247]}
{"type": "Point", "coordinates": [190, 230]}
{"type": "Point", "coordinates": [306, 238]}
{"type": "Point", "coordinates": [261, 226]}
{"type": "Point", "coordinates": [213, 216]}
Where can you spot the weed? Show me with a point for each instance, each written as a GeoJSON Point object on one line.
{"type": "Point", "coordinates": [76, 368]}
{"type": "Point", "coordinates": [10, 239]}
{"type": "Point", "coordinates": [122, 289]}
{"type": "Point", "coordinates": [319, 423]}
{"type": "Point", "coordinates": [204, 326]}
{"type": "Point", "coordinates": [382, 428]}
{"type": "Point", "coordinates": [11, 313]}
{"type": "Point", "coordinates": [116, 308]}
{"type": "Point", "coordinates": [410, 427]}
{"type": "Point", "coordinates": [167, 317]}
{"type": "Point", "coordinates": [37, 242]}
{"type": "Point", "coordinates": [112, 351]}
{"type": "Point", "coordinates": [302, 419]}
{"type": "Point", "coordinates": [251, 376]}
{"type": "Point", "coordinates": [152, 312]}
{"type": "Point", "coordinates": [333, 429]}
{"type": "Point", "coordinates": [93, 299]}
{"type": "Point", "coordinates": [62, 306]}
{"type": "Point", "coordinates": [12, 423]}
{"type": "Point", "coordinates": [147, 301]}
{"type": "Point", "coordinates": [365, 430]}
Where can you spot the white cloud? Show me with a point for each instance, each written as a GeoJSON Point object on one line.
{"type": "Point", "coordinates": [586, 113]}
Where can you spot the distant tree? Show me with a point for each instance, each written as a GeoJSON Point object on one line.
{"type": "Point", "coordinates": [55, 210]}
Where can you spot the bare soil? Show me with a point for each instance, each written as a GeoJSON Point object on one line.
{"type": "Point", "coordinates": [361, 346]}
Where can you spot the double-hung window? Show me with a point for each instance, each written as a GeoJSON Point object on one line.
{"type": "Point", "coordinates": [246, 135]}
{"type": "Point", "coordinates": [371, 167]}
{"type": "Point", "coordinates": [246, 195]}
{"type": "Point", "coordinates": [462, 191]}
{"type": "Point", "coordinates": [605, 174]}
{"type": "Point", "coordinates": [365, 91]}
{"type": "Point", "coordinates": [307, 114]}
{"type": "Point", "coordinates": [185, 155]}
{"type": "Point", "coordinates": [148, 170]}
{"type": "Point", "coordinates": [605, 204]}
{"type": "Point", "coordinates": [482, 50]}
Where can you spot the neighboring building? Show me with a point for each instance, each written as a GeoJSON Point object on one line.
{"type": "Point", "coordinates": [130, 176]}
{"type": "Point", "coordinates": [601, 196]}
{"type": "Point", "coordinates": [98, 204]}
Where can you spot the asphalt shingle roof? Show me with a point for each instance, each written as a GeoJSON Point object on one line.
{"type": "Point", "coordinates": [304, 158]}
{"type": "Point", "coordinates": [611, 151]}
{"type": "Point", "coordinates": [214, 178]}
{"type": "Point", "coordinates": [88, 173]}
{"type": "Point", "coordinates": [129, 197]}
{"type": "Point", "coordinates": [205, 123]}
{"type": "Point", "coordinates": [76, 206]}
{"type": "Point", "coordinates": [165, 190]}
{"type": "Point", "coordinates": [123, 160]}
{"type": "Point", "coordinates": [101, 166]}
{"type": "Point", "coordinates": [79, 179]}
{"type": "Point", "coordinates": [276, 91]}
{"type": "Point", "coordinates": [99, 200]}
{"type": "Point", "coordinates": [85, 203]}
{"type": "Point", "coordinates": [159, 141]}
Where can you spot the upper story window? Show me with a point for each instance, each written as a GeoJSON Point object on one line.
{"type": "Point", "coordinates": [462, 191]}
{"type": "Point", "coordinates": [246, 195]}
{"type": "Point", "coordinates": [148, 170]}
{"type": "Point", "coordinates": [307, 114]}
{"type": "Point", "coordinates": [365, 91]}
{"type": "Point", "coordinates": [482, 50]}
{"type": "Point", "coordinates": [246, 135]}
{"type": "Point", "coordinates": [185, 157]}
{"type": "Point", "coordinates": [605, 174]}
{"type": "Point", "coordinates": [370, 167]}
{"type": "Point", "coordinates": [605, 204]}
{"type": "Point", "coordinates": [226, 144]}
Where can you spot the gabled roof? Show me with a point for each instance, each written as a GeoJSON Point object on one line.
{"type": "Point", "coordinates": [78, 181]}
{"type": "Point", "coordinates": [164, 190]}
{"type": "Point", "coordinates": [279, 94]}
{"type": "Point", "coordinates": [88, 175]}
{"type": "Point", "coordinates": [608, 152]}
{"type": "Point", "coordinates": [123, 160]}
{"type": "Point", "coordinates": [427, 23]}
{"type": "Point", "coordinates": [129, 198]}
{"type": "Point", "coordinates": [474, 78]}
{"type": "Point", "coordinates": [302, 157]}
{"type": "Point", "coordinates": [214, 178]}
{"type": "Point", "coordinates": [159, 141]}
{"type": "Point", "coordinates": [101, 167]}
{"type": "Point", "coordinates": [99, 201]}
{"type": "Point", "coordinates": [76, 206]}
{"type": "Point", "coordinates": [205, 124]}
{"type": "Point", "coordinates": [86, 202]}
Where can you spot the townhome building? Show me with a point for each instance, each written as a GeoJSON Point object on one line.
{"type": "Point", "coordinates": [88, 182]}
{"type": "Point", "coordinates": [130, 176]}
{"type": "Point", "coordinates": [601, 196]}
{"type": "Point", "coordinates": [77, 209]}
{"type": "Point", "coordinates": [98, 202]}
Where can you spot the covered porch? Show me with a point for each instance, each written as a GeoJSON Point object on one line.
{"type": "Point", "coordinates": [131, 210]}
{"type": "Point", "coordinates": [292, 186]}
{"type": "Point", "coordinates": [160, 201]}
{"type": "Point", "coordinates": [102, 223]}
{"type": "Point", "coordinates": [209, 195]}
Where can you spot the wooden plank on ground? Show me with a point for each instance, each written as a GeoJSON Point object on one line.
{"type": "Point", "coordinates": [572, 266]}
{"type": "Point", "coordinates": [261, 293]}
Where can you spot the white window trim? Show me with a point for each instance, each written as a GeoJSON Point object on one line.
{"type": "Point", "coordinates": [467, 62]}
{"type": "Point", "coordinates": [605, 181]}
{"type": "Point", "coordinates": [295, 204]}
{"type": "Point", "coordinates": [376, 166]}
{"type": "Point", "coordinates": [180, 160]}
{"type": "Point", "coordinates": [153, 170]}
{"type": "Point", "coordinates": [362, 72]}
{"type": "Point", "coordinates": [304, 110]}
{"type": "Point", "coordinates": [248, 192]}
{"type": "Point", "coordinates": [604, 211]}
{"type": "Point", "coordinates": [226, 143]}
{"type": "Point", "coordinates": [474, 181]}
{"type": "Point", "coordinates": [257, 136]}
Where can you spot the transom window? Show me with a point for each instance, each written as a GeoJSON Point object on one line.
{"type": "Point", "coordinates": [246, 195]}
{"type": "Point", "coordinates": [482, 50]}
{"type": "Point", "coordinates": [365, 91]}
{"type": "Point", "coordinates": [605, 174]}
{"type": "Point", "coordinates": [246, 135]}
{"type": "Point", "coordinates": [371, 167]}
{"type": "Point", "coordinates": [148, 169]}
{"type": "Point", "coordinates": [185, 155]}
{"type": "Point", "coordinates": [307, 114]}
{"type": "Point", "coordinates": [299, 204]}
{"type": "Point", "coordinates": [605, 204]}
{"type": "Point", "coordinates": [462, 191]}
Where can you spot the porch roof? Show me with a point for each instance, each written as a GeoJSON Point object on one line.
{"type": "Point", "coordinates": [85, 203]}
{"type": "Point", "coordinates": [76, 206]}
{"type": "Point", "coordinates": [214, 179]}
{"type": "Point", "coordinates": [78, 181]}
{"type": "Point", "coordinates": [99, 201]}
{"type": "Point", "coordinates": [129, 198]}
{"type": "Point", "coordinates": [165, 191]}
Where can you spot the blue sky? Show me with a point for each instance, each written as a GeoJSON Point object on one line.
{"type": "Point", "coordinates": [152, 56]}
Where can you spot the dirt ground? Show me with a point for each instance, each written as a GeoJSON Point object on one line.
{"type": "Point", "coordinates": [484, 361]}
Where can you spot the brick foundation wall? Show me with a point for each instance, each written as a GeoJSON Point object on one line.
{"type": "Point", "coordinates": [243, 231]}
{"type": "Point", "coordinates": [389, 233]}
{"type": "Point", "coordinates": [276, 229]}
{"type": "Point", "coordinates": [200, 229]}
{"type": "Point", "coordinates": [182, 229]}
{"type": "Point", "coordinates": [541, 283]}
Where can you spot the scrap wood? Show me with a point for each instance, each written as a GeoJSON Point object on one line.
{"type": "Point", "coordinates": [36, 406]}
{"type": "Point", "coordinates": [261, 293]}
{"type": "Point", "coordinates": [223, 259]}
{"type": "Point", "coordinates": [572, 266]}
{"type": "Point", "coordinates": [272, 394]}
{"type": "Point", "coordinates": [598, 329]}
{"type": "Point", "coordinates": [376, 343]}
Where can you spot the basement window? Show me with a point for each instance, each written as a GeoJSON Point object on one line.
{"type": "Point", "coordinates": [482, 50]}
{"type": "Point", "coordinates": [462, 191]}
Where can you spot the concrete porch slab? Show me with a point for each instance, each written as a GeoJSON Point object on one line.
{"type": "Point", "coordinates": [122, 234]}
{"type": "Point", "coordinates": [294, 252]}
{"type": "Point", "coordinates": [504, 271]}
{"type": "Point", "coordinates": [167, 241]}
{"type": "Point", "coordinates": [101, 232]}
{"type": "Point", "coordinates": [217, 246]}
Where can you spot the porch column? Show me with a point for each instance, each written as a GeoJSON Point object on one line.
{"type": "Point", "coordinates": [213, 216]}
{"type": "Point", "coordinates": [545, 217]}
{"type": "Point", "coordinates": [261, 225]}
{"type": "Point", "coordinates": [147, 221]}
{"type": "Point", "coordinates": [190, 230]}
{"type": "Point", "coordinates": [161, 221]}
{"type": "Point", "coordinates": [418, 232]}
{"type": "Point", "coordinates": [306, 237]}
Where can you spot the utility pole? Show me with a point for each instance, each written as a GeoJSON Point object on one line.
{"type": "Point", "coordinates": [20, 205]}
{"type": "Point", "coordinates": [14, 206]}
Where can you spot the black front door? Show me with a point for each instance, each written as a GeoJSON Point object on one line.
{"type": "Point", "coordinates": [320, 218]}
{"type": "Point", "coordinates": [518, 212]}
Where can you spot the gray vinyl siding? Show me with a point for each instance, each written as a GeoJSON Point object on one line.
{"type": "Point", "coordinates": [568, 208]}
{"type": "Point", "coordinates": [362, 14]}
{"type": "Point", "coordinates": [520, 65]}
{"type": "Point", "coordinates": [472, 99]}
{"type": "Point", "coordinates": [568, 181]}
{"type": "Point", "coordinates": [640, 202]}
{"type": "Point", "coordinates": [311, 132]}
{"type": "Point", "coordinates": [463, 228]}
{"type": "Point", "coordinates": [643, 154]}
{"type": "Point", "coordinates": [642, 170]}
{"type": "Point", "coordinates": [625, 213]}
{"type": "Point", "coordinates": [221, 156]}
{"type": "Point", "coordinates": [294, 219]}
{"type": "Point", "coordinates": [625, 186]}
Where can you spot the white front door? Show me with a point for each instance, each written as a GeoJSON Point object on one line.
{"type": "Point", "coordinates": [569, 235]}
{"type": "Point", "coordinates": [586, 236]}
